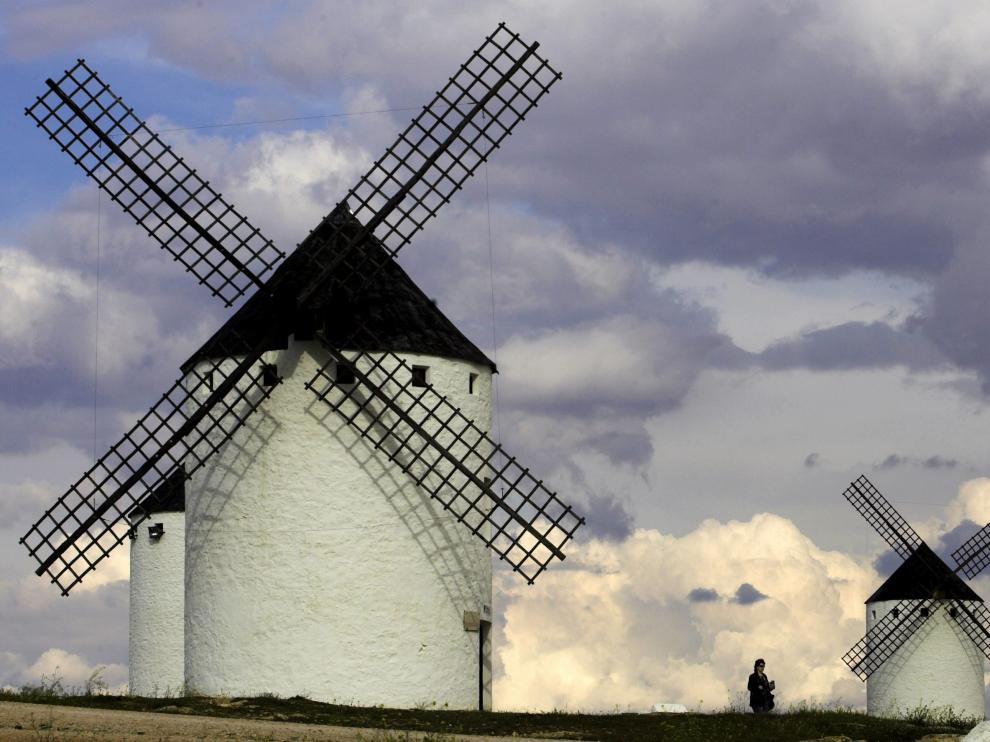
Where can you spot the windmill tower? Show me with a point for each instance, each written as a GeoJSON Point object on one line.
{"type": "Point", "coordinates": [340, 488]}
{"type": "Point", "coordinates": [927, 632]}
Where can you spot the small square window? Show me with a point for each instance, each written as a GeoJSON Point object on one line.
{"type": "Point", "coordinates": [895, 613]}
{"type": "Point", "coordinates": [953, 612]}
{"type": "Point", "coordinates": [344, 373]}
{"type": "Point", "coordinates": [419, 375]}
{"type": "Point", "coordinates": [269, 374]}
{"type": "Point", "coordinates": [924, 613]}
{"type": "Point", "coordinates": [472, 381]}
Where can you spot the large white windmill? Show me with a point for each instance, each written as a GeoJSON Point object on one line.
{"type": "Point", "coordinates": [928, 633]}
{"type": "Point", "coordinates": [316, 497]}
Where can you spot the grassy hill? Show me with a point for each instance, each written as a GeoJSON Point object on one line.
{"type": "Point", "coordinates": [434, 725]}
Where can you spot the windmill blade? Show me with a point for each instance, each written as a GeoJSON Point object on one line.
{"type": "Point", "coordinates": [888, 635]}
{"type": "Point", "coordinates": [450, 458]}
{"type": "Point", "coordinates": [128, 160]}
{"type": "Point", "coordinates": [880, 514]}
{"type": "Point", "coordinates": [190, 422]}
{"type": "Point", "coordinates": [973, 556]}
{"type": "Point", "coordinates": [974, 619]}
{"type": "Point", "coordinates": [443, 146]}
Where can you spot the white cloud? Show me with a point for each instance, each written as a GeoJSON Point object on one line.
{"type": "Point", "coordinates": [34, 299]}
{"type": "Point", "coordinates": [48, 316]}
{"type": "Point", "coordinates": [755, 310]}
{"type": "Point", "coordinates": [73, 671]}
{"type": "Point", "coordinates": [613, 364]}
{"type": "Point", "coordinates": [972, 503]}
{"type": "Point", "coordinates": [941, 46]}
{"type": "Point", "coordinates": [615, 628]}
{"type": "Point", "coordinates": [285, 182]}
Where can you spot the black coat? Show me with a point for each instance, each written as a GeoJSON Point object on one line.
{"type": "Point", "coordinates": [759, 691]}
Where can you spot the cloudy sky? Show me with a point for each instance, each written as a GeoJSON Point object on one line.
{"type": "Point", "coordinates": [737, 257]}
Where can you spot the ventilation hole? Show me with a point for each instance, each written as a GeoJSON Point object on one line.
{"type": "Point", "coordinates": [953, 612]}
{"type": "Point", "coordinates": [419, 375]}
{"type": "Point", "coordinates": [472, 380]}
{"type": "Point", "coordinates": [344, 374]}
{"type": "Point", "coordinates": [895, 613]}
{"type": "Point", "coordinates": [874, 614]}
{"type": "Point", "coordinates": [156, 531]}
{"type": "Point", "coordinates": [924, 613]}
{"type": "Point", "coordinates": [269, 374]}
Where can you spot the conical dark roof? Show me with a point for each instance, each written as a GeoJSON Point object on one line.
{"type": "Point", "coordinates": [389, 307]}
{"type": "Point", "coordinates": [923, 575]}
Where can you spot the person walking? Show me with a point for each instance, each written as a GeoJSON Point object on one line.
{"type": "Point", "coordinates": [760, 687]}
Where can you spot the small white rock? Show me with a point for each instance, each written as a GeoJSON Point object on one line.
{"type": "Point", "coordinates": [979, 733]}
{"type": "Point", "coordinates": [672, 708]}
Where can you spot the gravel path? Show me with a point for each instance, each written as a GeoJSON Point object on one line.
{"type": "Point", "coordinates": [31, 721]}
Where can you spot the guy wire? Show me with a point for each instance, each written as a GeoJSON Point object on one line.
{"type": "Point", "coordinates": [96, 343]}
{"type": "Point", "coordinates": [491, 276]}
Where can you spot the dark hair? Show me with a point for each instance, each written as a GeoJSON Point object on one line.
{"type": "Point", "coordinates": [759, 662]}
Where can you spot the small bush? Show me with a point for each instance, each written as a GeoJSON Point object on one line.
{"type": "Point", "coordinates": [95, 684]}
{"type": "Point", "coordinates": [48, 688]}
{"type": "Point", "coordinates": [941, 716]}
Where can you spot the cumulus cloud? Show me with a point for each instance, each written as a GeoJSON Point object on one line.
{"type": "Point", "coordinates": [972, 503]}
{"type": "Point", "coordinates": [638, 623]}
{"type": "Point", "coordinates": [57, 667]}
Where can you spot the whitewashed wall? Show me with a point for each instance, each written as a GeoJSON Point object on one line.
{"type": "Point", "coordinates": [315, 567]}
{"type": "Point", "coordinates": [156, 643]}
{"type": "Point", "coordinates": [938, 667]}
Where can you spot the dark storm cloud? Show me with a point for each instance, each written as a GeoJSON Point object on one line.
{"type": "Point", "coordinates": [894, 460]}
{"type": "Point", "coordinates": [697, 142]}
{"type": "Point", "coordinates": [631, 446]}
{"type": "Point", "coordinates": [607, 518]}
{"type": "Point", "coordinates": [952, 540]}
{"type": "Point", "coordinates": [887, 562]}
{"type": "Point", "coordinates": [30, 427]}
{"type": "Point", "coordinates": [702, 595]}
{"type": "Point", "coordinates": [854, 345]}
{"type": "Point", "coordinates": [959, 316]}
{"type": "Point", "coordinates": [701, 142]}
{"type": "Point", "coordinates": [746, 594]}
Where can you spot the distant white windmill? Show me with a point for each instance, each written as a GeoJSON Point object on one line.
{"type": "Point", "coordinates": [928, 632]}
{"type": "Point", "coordinates": [328, 536]}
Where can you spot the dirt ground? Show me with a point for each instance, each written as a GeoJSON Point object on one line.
{"type": "Point", "coordinates": [31, 721]}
